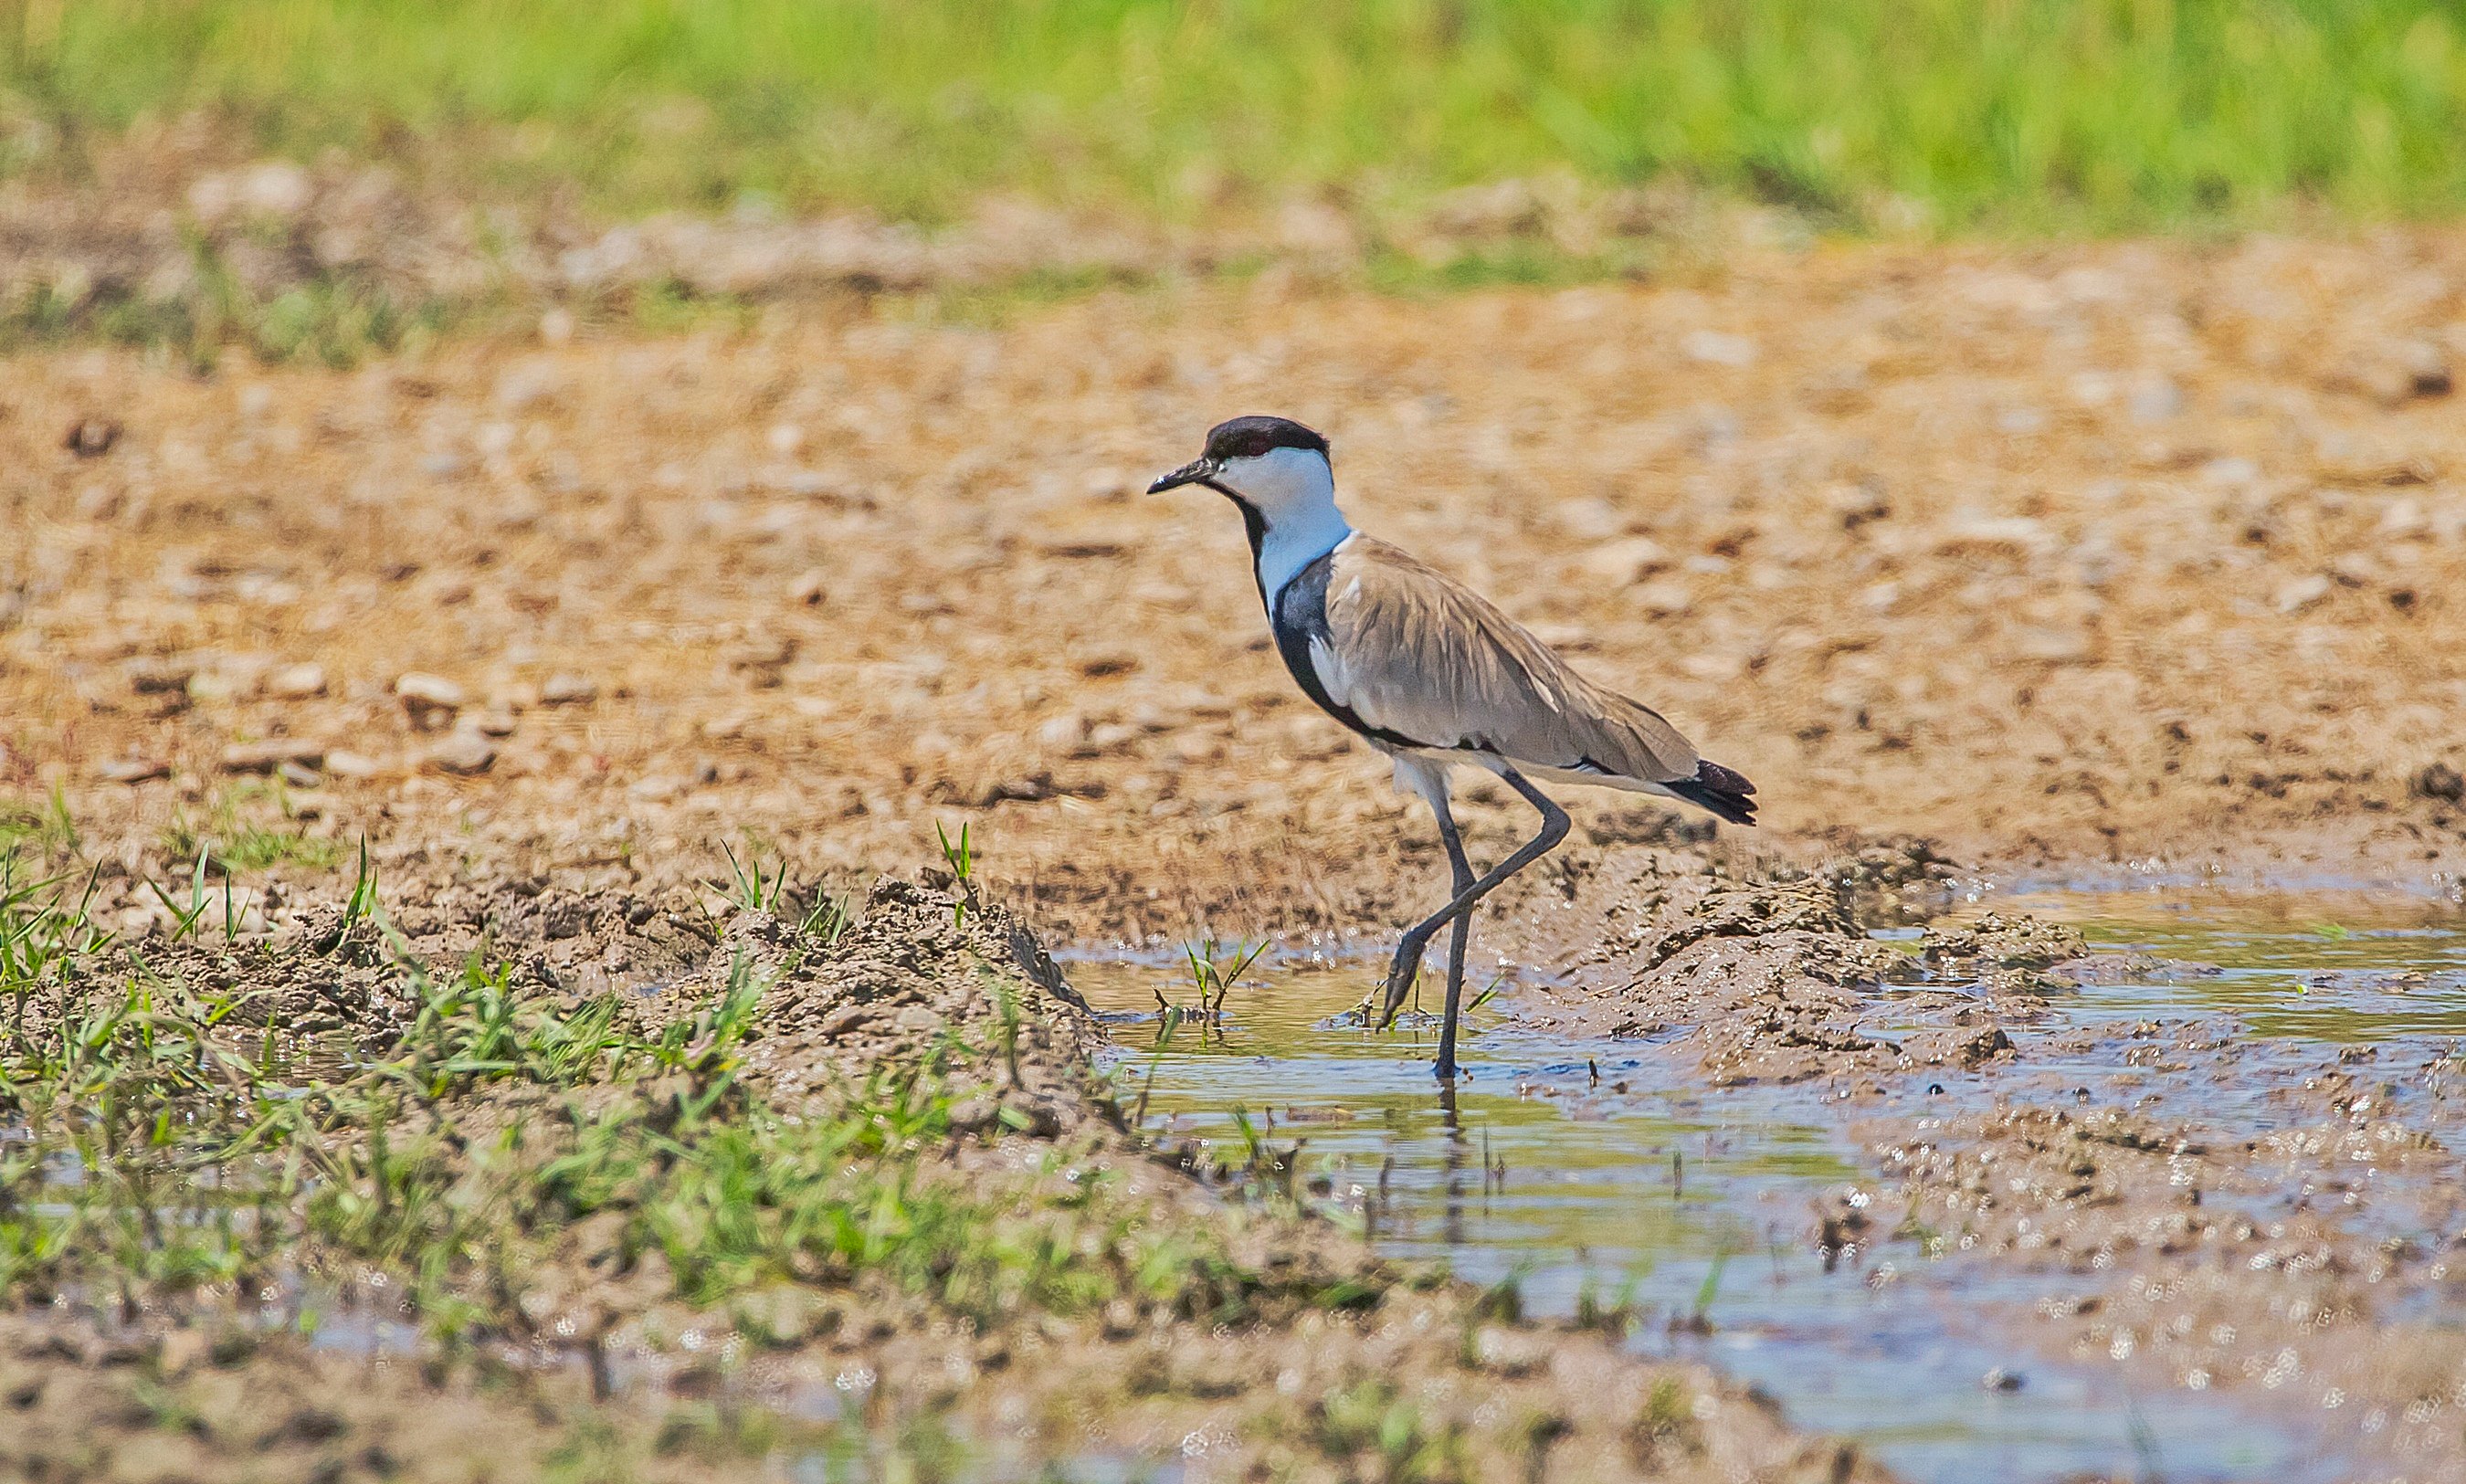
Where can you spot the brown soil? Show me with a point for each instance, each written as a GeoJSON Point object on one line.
{"type": "Point", "coordinates": [2096, 552]}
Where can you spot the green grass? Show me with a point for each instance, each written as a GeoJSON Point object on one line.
{"type": "Point", "coordinates": [234, 838]}
{"type": "Point", "coordinates": [1370, 1420]}
{"type": "Point", "coordinates": [168, 1133]}
{"type": "Point", "coordinates": [331, 318]}
{"type": "Point", "coordinates": [1987, 114]}
{"type": "Point", "coordinates": [44, 829]}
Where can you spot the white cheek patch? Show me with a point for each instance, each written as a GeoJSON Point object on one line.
{"type": "Point", "coordinates": [1295, 494]}
{"type": "Point", "coordinates": [1280, 481]}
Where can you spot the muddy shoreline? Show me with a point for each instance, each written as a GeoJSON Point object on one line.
{"type": "Point", "coordinates": [2270, 1249]}
{"type": "Point", "coordinates": [2214, 1211]}
{"type": "Point", "coordinates": [577, 1333]}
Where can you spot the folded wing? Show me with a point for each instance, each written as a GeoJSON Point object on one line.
{"type": "Point", "coordinates": [1411, 651]}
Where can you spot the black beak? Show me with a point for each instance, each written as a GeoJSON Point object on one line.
{"type": "Point", "coordinates": [1199, 471]}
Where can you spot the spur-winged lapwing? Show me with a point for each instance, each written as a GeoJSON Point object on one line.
{"type": "Point", "coordinates": [1427, 672]}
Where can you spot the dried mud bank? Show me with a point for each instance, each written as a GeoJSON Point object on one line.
{"type": "Point", "coordinates": [2091, 552]}
{"type": "Point", "coordinates": [2278, 1222]}
{"type": "Point", "coordinates": [790, 1192]}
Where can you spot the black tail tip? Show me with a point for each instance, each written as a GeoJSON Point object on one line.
{"type": "Point", "coordinates": [1724, 793]}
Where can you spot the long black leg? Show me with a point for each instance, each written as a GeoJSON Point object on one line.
{"type": "Point", "coordinates": [1460, 933]}
{"type": "Point", "coordinates": [1417, 939]}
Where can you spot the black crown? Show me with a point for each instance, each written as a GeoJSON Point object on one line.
{"type": "Point", "coordinates": [1247, 437]}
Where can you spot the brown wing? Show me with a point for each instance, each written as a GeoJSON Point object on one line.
{"type": "Point", "coordinates": [1412, 651]}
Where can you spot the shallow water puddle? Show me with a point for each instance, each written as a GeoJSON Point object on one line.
{"type": "Point", "coordinates": [1592, 1173]}
{"type": "Point", "coordinates": [2341, 969]}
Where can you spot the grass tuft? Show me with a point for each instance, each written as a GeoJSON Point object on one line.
{"type": "Point", "coordinates": [960, 856]}
{"type": "Point", "coordinates": [46, 828]}
{"type": "Point", "coordinates": [171, 1136]}
{"type": "Point", "coordinates": [233, 839]}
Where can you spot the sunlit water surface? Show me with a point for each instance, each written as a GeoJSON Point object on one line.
{"type": "Point", "coordinates": [1577, 1169]}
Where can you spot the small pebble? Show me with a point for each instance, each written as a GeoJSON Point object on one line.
{"type": "Point", "coordinates": [91, 437]}
{"type": "Point", "coordinates": [1714, 348]}
{"type": "Point", "coordinates": [296, 682]}
{"type": "Point", "coordinates": [1626, 560]}
{"type": "Point", "coordinates": [2439, 780]}
{"type": "Point", "coordinates": [429, 699]}
{"type": "Point", "coordinates": [2303, 591]}
{"type": "Point", "coordinates": [464, 752]}
{"type": "Point", "coordinates": [568, 690]}
{"type": "Point", "coordinates": [341, 764]}
{"type": "Point", "coordinates": [2157, 403]}
{"type": "Point", "coordinates": [160, 677]}
{"type": "Point", "coordinates": [271, 755]}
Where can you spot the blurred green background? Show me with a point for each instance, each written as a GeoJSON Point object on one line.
{"type": "Point", "coordinates": [1953, 115]}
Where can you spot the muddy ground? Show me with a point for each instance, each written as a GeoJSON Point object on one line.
{"type": "Point", "coordinates": [2214, 1213]}
{"type": "Point", "coordinates": [1188, 1316]}
{"type": "Point", "coordinates": [2186, 1240]}
{"type": "Point", "coordinates": [2099, 558]}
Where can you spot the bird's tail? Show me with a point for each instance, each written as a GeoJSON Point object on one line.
{"type": "Point", "coordinates": [1723, 792]}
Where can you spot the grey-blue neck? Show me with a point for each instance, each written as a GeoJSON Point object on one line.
{"type": "Point", "coordinates": [1287, 498]}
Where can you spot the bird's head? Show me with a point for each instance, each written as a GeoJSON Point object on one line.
{"type": "Point", "coordinates": [1273, 466]}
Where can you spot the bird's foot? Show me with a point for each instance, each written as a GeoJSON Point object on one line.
{"type": "Point", "coordinates": [1401, 977]}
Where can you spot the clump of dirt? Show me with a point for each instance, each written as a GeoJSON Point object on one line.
{"type": "Point", "coordinates": [1889, 883]}
{"type": "Point", "coordinates": [221, 1406]}
{"type": "Point", "coordinates": [327, 978]}
{"type": "Point", "coordinates": [2113, 968]}
{"type": "Point", "coordinates": [2004, 953]}
{"type": "Point", "coordinates": [560, 935]}
{"type": "Point", "coordinates": [320, 972]}
{"type": "Point", "coordinates": [1998, 941]}
{"type": "Point", "coordinates": [1766, 976]}
{"type": "Point", "coordinates": [912, 977]}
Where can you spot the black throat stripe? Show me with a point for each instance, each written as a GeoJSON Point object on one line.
{"type": "Point", "coordinates": [1254, 525]}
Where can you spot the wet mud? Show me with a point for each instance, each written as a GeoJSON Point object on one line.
{"type": "Point", "coordinates": [2211, 1210]}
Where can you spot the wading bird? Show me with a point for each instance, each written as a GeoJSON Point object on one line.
{"type": "Point", "coordinates": [1426, 671]}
